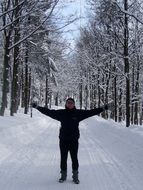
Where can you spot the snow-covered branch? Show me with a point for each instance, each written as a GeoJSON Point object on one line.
{"type": "Point", "coordinates": [20, 17]}
{"type": "Point", "coordinates": [6, 12]}
{"type": "Point", "coordinates": [130, 14]}
{"type": "Point", "coordinates": [26, 37]}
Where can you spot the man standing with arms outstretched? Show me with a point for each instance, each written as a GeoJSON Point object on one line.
{"type": "Point", "coordinates": [69, 133]}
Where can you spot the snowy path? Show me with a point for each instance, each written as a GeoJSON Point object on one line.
{"type": "Point", "coordinates": [110, 157]}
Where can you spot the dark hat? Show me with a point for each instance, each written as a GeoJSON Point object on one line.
{"type": "Point", "coordinates": [70, 99]}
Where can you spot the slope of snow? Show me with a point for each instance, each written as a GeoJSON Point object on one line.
{"type": "Point", "coordinates": [110, 155]}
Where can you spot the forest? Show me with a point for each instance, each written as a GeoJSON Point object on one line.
{"type": "Point", "coordinates": [37, 62]}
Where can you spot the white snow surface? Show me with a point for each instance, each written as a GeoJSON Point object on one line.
{"type": "Point", "coordinates": [110, 155]}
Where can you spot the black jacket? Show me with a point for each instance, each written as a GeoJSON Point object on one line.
{"type": "Point", "coordinates": [69, 120]}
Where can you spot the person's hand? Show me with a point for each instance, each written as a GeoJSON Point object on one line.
{"type": "Point", "coordinates": [34, 105]}
{"type": "Point", "coordinates": [106, 107]}
{"type": "Point", "coordinates": [109, 106]}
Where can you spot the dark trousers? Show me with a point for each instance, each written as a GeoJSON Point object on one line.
{"type": "Point", "coordinates": [72, 147]}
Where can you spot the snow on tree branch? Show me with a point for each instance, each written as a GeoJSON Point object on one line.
{"type": "Point", "coordinates": [6, 12]}
{"type": "Point", "coordinates": [52, 65]}
{"type": "Point", "coordinates": [128, 13]}
{"type": "Point", "coordinates": [26, 37]}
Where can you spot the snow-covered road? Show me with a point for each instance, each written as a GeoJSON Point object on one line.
{"type": "Point", "coordinates": [110, 155]}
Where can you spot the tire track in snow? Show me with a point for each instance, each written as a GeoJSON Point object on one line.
{"type": "Point", "coordinates": [95, 169]}
{"type": "Point", "coordinates": [110, 168]}
{"type": "Point", "coordinates": [125, 147]}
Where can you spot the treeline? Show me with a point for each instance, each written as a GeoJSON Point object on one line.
{"type": "Point", "coordinates": [110, 59]}
{"type": "Point", "coordinates": [30, 45]}
{"type": "Point", "coordinates": [106, 64]}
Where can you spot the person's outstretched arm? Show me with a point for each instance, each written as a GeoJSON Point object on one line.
{"type": "Point", "coordinates": [84, 114]}
{"type": "Point", "coordinates": [55, 114]}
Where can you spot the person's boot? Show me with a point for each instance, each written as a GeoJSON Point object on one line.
{"type": "Point", "coordinates": [75, 177]}
{"type": "Point", "coordinates": [63, 176]}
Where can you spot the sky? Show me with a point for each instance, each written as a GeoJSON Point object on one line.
{"type": "Point", "coordinates": [78, 8]}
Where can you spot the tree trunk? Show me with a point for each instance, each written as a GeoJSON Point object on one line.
{"type": "Point", "coordinates": [26, 84]}
{"type": "Point", "coordinates": [137, 94]}
{"type": "Point", "coordinates": [80, 92]}
{"type": "Point", "coordinates": [46, 92]}
{"type": "Point", "coordinates": [126, 62]}
{"type": "Point", "coordinates": [57, 99]}
{"type": "Point", "coordinates": [115, 97]}
{"type": "Point", "coordinates": [29, 86]}
{"type": "Point", "coordinates": [107, 91]}
{"type": "Point", "coordinates": [103, 94]}
{"type": "Point", "coordinates": [141, 114]}
{"type": "Point", "coordinates": [120, 106]}
{"type": "Point", "coordinates": [15, 82]}
{"type": "Point", "coordinates": [94, 91]}
{"type": "Point", "coordinates": [133, 91]}
{"type": "Point", "coordinates": [98, 86]}
{"type": "Point", "coordinates": [91, 90]}
{"type": "Point", "coordinates": [86, 96]}
{"type": "Point", "coordinates": [22, 88]}
{"type": "Point", "coordinates": [5, 87]}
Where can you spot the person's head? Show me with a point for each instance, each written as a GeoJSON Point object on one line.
{"type": "Point", "coordinates": [70, 103]}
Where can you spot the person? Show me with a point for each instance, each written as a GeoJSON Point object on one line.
{"type": "Point", "coordinates": [69, 133]}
